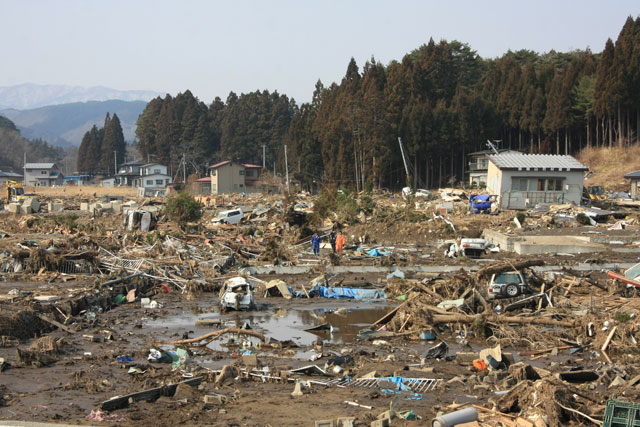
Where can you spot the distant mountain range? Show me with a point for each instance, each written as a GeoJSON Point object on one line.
{"type": "Point", "coordinates": [28, 96]}
{"type": "Point", "coordinates": [66, 124]}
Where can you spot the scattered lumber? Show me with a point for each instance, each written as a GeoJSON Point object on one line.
{"type": "Point", "coordinates": [213, 335]}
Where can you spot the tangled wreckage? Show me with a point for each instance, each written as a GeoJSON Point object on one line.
{"type": "Point", "coordinates": [132, 318]}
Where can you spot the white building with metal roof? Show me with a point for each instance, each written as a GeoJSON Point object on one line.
{"type": "Point", "coordinates": [523, 180]}
{"type": "Point", "coordinates": [42, 174]}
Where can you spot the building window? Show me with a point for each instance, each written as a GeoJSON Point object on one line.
{"type": "Point", "coordinates": [249, 173]}
{"type": "Point", "coordinates": [536, 184]}
{"type": "Point", "coordinates": [159, 182]}
{"type": "Point", "coordinates": [43, 172]}
{"type": "Point", "coordinates": [166, 181]}
{"type": "Point", "coordinates": [156, 171]}
{"type": "Point", "coordinates": [242, 172]}
{"type": "Point", "coordinates": [241, 185]}
{"type": "Point", "coordinates": [213, 172]}
{"type": "Point", "coordinates": [149, 182]}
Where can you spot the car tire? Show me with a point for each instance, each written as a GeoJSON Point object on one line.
{"type": "Point", "coordinates": [511, 291]}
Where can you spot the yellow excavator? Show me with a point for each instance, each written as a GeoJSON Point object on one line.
{"type": "Point", "coordinates": [15, 192]}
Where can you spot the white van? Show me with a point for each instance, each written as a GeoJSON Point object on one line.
{"type": "Point", "coordinates": [233, 216]}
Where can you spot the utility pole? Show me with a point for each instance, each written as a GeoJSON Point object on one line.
{"type": "Point", "coordinates": [115, 162]}
{"type": "Point", "coordinates": [264, 157]}
{"type": "Point", "coordinates": [286, 165]}
{"type": "Point", "coordinates": [184, 169]}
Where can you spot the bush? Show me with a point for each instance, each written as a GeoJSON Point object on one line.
{"type": "Point", "coordinates": [183, 208]}
{"type": "Point", "coordinates": [367, 204]}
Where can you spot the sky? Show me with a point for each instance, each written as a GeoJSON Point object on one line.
{"type": "Point", "coordinates": [214, 47]}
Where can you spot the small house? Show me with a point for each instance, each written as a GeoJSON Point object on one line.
{"type": "Point", "coordinates": [635, 184]}
{"type": "Point", "coordinates": [154, 176]}
{"type": "Point", "coordinates": [520, 181]}
{"type": "Point", "coordinates": [232, 177]}
{"type": "Point", "coordinates": [42, 175]}
{"type": "Point", "coordinates": [129, 174]}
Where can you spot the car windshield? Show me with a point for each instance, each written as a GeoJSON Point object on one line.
{"type": "Point", "coordinates": [506, 278]}
{"type": "Point", "coordinates": [223, 214]}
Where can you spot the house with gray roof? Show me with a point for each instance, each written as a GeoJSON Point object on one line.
{"type": "Point", "coordinates": [520, 181]}
{"type": "Point", "coordinates": [635, 184]}
{"type": "Point", "coordinates": [42, 175]}
{"type": "Point", "coordinates": [9, 176]}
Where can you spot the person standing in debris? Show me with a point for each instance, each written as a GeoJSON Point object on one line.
{"type": "Point", "coordinates": [332, 239]}
{"type": "Point", "coordinates": [315, 242]}
{"type": "Point", "coordinates": [339, 242]}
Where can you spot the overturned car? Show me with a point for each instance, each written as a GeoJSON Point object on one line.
{"type": "Point", "coordinates": [236, 294]}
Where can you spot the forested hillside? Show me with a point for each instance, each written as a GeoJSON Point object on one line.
{"type": "Point", "coordinates": [442, 99]}
{"type": "Point", "coordinates": [13, 148]}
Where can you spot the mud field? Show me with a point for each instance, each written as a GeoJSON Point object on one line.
{"type": "Point", "coordinates": [104, 323]}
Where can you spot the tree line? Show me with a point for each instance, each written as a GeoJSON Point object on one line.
{"type": "Point", "coordinates": [102, 148]}
{"type": "Point", "coordinates": [443, 100]}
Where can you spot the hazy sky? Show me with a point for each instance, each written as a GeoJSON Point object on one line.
{"type": "Point", "coordinates": [213, 47]}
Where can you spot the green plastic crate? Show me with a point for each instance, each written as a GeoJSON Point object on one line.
{"type": "Point", "coordinates": [621, 414]}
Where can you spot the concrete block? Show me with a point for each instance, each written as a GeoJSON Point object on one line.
{"type": "Point", "coordinates": [116, 207]}
{"type": "Point", "coordinates": [13, 208]}
{"type": "Point", "coordinates": [32, 203]}
{"type": "Point", "coordinates": [55, 207]}
{"type": "Point", "coordinates": [381, 423]}
{"type": "Point", "coordinates": [106, 206]}
{"type": "Point", "coordinates": [84, 206]}
{"type": "Point", "coordinates": [25, 209]}
{"type": "Point", "coordinates": [346, 422]}
{"type": "Point", "coordinates": [325, 423]}
{"type": "Point", "coordinates": [297, 391]}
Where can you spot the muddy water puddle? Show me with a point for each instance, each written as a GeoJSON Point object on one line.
{"type": "Point", "coordinates": [281, 323]}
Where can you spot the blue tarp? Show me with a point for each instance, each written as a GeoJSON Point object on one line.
{"type": "Point", "coordinates": [376, 252]}
{"type": "Point", "coordinates": [339, 293]}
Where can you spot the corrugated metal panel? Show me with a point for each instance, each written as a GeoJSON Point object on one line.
{"type": "Point", "coordinates": [635, 174]}
{"type": "Point", "coordinates": [532, 162]}
{"type": "Point", "coordinates": [39, 165]}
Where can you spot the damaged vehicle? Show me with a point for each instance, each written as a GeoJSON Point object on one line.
{"type": "Point", "coordinates": [471, 248]}
{"type": "Point", "coordinates": [236, 294]}
{"type": "Point", "coordinates": [233, 217]}
{"type": "Point", "coordinates": [418, 193]}
{"type": "Point", "coordinates": [507, 285]}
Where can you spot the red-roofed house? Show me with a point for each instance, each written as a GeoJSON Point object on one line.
{"type": "Point", "coordinates": [232, 177]}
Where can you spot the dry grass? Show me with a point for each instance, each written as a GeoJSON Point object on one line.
{"type": "Point", "coordinates": [608, 165]}
{"type": "Point", "coordinates": [83, 191]}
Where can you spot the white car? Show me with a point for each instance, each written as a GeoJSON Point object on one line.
{"type": "Point", "coordinates": [233, 216]}
{"type": "Point", "coordinates": [236, 294]}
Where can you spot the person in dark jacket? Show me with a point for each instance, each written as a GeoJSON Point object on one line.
{"type": "Point", "coordinates": [315, 242]}
{"type": "Point", "coordinates": [332, 239]}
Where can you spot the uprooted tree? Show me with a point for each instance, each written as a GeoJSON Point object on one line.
{"type": "Point", "coordinates": [183, 208]}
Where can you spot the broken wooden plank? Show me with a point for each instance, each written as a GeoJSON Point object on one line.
{"type": "Point", "coordinates": [119, 402]}
{"type": "Point", "coordinates": [56, 324]}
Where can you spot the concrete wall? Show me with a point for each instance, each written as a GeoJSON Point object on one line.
{"type": "Point", "coordinates": [499, 182]}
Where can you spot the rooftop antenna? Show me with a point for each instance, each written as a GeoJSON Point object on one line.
{"type": "Point", "coordinates": [493, 147]}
